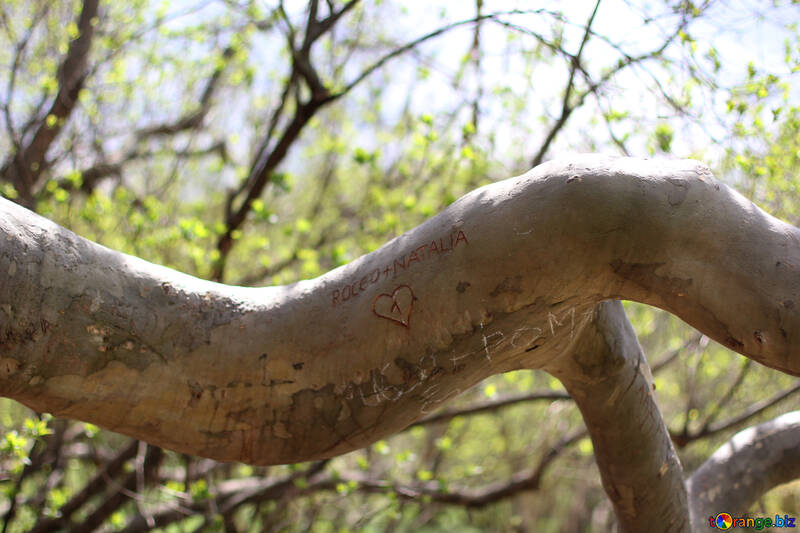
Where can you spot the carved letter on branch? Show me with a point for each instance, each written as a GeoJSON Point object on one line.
{"type": "Point", "coordinates": [396, 306]}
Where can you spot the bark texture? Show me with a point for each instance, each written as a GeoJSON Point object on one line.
{"type": "Point", "coordinates": [606, 374]}
{"type": "Point", "coordinates": [504, 278]}
{"type": "Point", "coordinates": [751, 463]}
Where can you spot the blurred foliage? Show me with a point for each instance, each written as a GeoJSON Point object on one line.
{"type": "Point", "coordinates": [430, 125]}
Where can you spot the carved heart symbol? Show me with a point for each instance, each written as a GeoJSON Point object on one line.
{"type": "Point", "coordinates": [397, 306]}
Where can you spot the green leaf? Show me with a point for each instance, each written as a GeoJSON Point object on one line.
{"type": "Point", "coordinates": [664, 134]}
{"type": "Point", "coordinates": [585, 447]}
{"type": "Point", "coordinates": [72, 30]}
{"type": "Point", "coordinates": [282, 181]}
{"type": "Point", "coordinates": [424, 475]}
{"type": "Point", "coordinates": [8, 190]}
{"type": "Point", "coordinates": [303, 225]}
{"type": "Point", "coordinates": [199, 490]}
{"type": "Point", "coordinates": [382, 447]}
{"type": "Point", "coordinates": [361, 156]}
{"type": "Point", "coordinates": [258, 206]}
{"type": "Point", "coordinates": [37, 428]}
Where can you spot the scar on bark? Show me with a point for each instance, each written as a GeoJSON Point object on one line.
{"type": "Point", "coordinates": [508, 285]}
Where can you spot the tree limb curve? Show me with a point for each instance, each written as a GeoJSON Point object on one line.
{"type": "Point", "coordinates": [757, 459]}
{"type": "Point", "coordinates": [504, 278]}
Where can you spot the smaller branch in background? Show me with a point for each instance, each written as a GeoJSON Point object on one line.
{"type": "Point", "coordinates": [475, 58]}
{"type": "Point", "coordinates": [25, 166]}
{"type": "Point", "coordinates": [194, 119]}
{"type": "Point", "coordinates": [258, 181]}
{"type": "Point", "coordinates": [93, 488]}
{"type": "Point", "coordinates": [752, 411]}
{"type": "Point", "coordinates": [19, 51]}
{"type": "Point", "coordinates": [43, 452]}
{"type": "Point", "coordinates": [715, 411]}
{"type": "Point", "coordinates": [323, 236]}
{"type": "Point", "coordinates": [266, 161]}
{"type": "Point", "coordinates": [672, 355]}
{"type": "Point", "coordinates": [619, 142]}
{"type": "Point", "coordinates": [491, 406]}
{"type": "Point", "coordinates": [625, 61]}
{"type": "Point", "coordinates": [141, 482]}
{"type": "Point", "coordinates": [526, 480]}
{"type": "Point", "coordinates": [261, 153]}
{"type": "Point", "coordinates": [233, 494]}
{"type": "Point", "coordinates": [319, 27]}
{"type": "Point", "coordinates": [422, 39]}
{"type": "Point", "coordinates": [123, 492]}
{"type": "Point", "coordinates": [692, 370]}
{"type": "Point", "coordinates": [287, 262]}
{"type": "Point", "coordinates": [90, 177]}
{"type": "Point", "coordinates": [566, 106]}
{"type": "Point", "coordinates": [63, 432]}
{"type": "Point", "coordinates": [136, 37]}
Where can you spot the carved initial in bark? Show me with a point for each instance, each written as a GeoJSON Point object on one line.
{"type": "Point", "coordinates": [396, 306]}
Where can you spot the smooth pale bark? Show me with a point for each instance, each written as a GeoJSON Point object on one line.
{"type": "Point", "coordinates": [292, 373]}
{"type": "Point", "coordinates": [605, 372]}
{"type": "Point", "coordinates": [741, 470]}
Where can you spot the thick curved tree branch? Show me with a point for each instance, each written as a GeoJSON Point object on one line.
{"type": "Point", "coordinates": [607, 375]}
{"type": "Point", "coordinates": [502, 279]}
{"type": "Point", "coordinates": [751, 463]}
